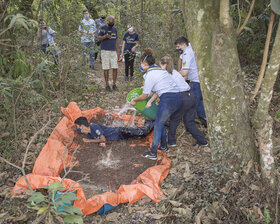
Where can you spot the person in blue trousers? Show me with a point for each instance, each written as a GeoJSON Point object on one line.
{"type": "Point", "coordinates": [159, 81]}
{"type": "Point", "coordinates": [189, 72]}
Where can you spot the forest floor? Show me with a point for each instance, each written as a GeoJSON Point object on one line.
{"type": "Point", "coordinates": [195, 191]}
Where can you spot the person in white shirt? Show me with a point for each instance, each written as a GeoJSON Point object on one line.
{"type": "Point", "coordinates": [87, 29]}
{"type": "Point", "coordinates": [189, 72]}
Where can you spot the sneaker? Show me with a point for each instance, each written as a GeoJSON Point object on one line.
{"type": "Point", "coordinates": [172, 144]}
{"type": "Point", "coordinates": [163, 148]}
{"type": "Point", "coordinates": [131, 78]}
{"type": "Point", "coordinates": [149, 124]}
{"type": "Point", "coordinates": [115, 87]}
{"type": "Point", "coordinates": [108, 89]}
{"type": "Point", "coordinates": [201, 144]}
{"type": "Point", "coordinates": [150, 155]}
{"type": "Point", "coordinates": [126, 78]}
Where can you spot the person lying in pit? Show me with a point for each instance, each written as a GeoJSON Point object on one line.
{"type": "Point", "coordinates": [98, 133]}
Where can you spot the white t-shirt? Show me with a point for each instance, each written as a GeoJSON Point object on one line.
{"type": "Point", "coordinates": [159, 81]}
{"type": "Point", "coordinates": [189, 63]}
{"type": "Point", "coordinates": [180, 81]}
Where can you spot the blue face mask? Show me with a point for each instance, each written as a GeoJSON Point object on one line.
{"type": "Point", "coordinates": [79, 130]}
{"type": "Point", "coordinates": [142, 69]}
{"type": "Point", "coordinates": [180, 51]}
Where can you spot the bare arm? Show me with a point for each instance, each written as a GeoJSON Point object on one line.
{"type": "Point", "coordinates": [102, 139]}
{"type": "Point", "coordinates": [184, 73]}
{"type": "Point", "coordinates": [149, 103]}
{"type": "Point", "coordinates": [143, 96]}
{"type": "Point", "coordinates": [179, 64]}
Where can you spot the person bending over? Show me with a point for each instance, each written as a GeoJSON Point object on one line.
{"type": "Point", "coordinates": [98, 133]}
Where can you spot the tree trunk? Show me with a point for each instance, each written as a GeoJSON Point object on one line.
{"type": "Point", "coordinates": [213, 40]}
{"type": "Point", "coordinates": [262, 121]}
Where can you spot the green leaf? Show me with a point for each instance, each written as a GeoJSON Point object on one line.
{"type": "Point", "coordinates": [41, 210]}
{"type": "Point", "coordinates": [36, 197]}
{"type": "Point", "coordinates": [275, 6]}
{"type": "Point", "coordinates": [73, 219]}
{"type": "Point", "coordinates": [73, 210]}
{"type": "Point", "coordinates": [56, 186]}
{"type": "Point", "coordinates": [68, 197]}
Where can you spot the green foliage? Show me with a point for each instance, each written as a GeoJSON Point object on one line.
{"type": "Point", "coordinates": [266, 214]}
{"type": "Point", "coordinates": [19, 20]}
{"type": "Point", "coordinates": [56, 203]}
{"type": "Point", "coordinates": [277, 115]}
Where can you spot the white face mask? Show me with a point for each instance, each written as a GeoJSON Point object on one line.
{"type": "Point", "coordinates": [86, 16]}
{"type": "Point", "coordinates": [130, 30]}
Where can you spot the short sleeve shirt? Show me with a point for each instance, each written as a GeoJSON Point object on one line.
{"type": "Point", "coordinates": [108, 44]}
{"type": "Point", "coordinates": [99, 23]}
{"type": "Point", "coordinates": [130, 41]}
{"type": "Point", "coordinates": [88, 26]}
{"type": "Point", "coordinates": [110, 133]}
{"type": "Point", "coordinates": [180, 81]}
{"type": "Point", "coordinates": [189, 63]}
{"type": "Point", "coordinates": [159, 81]}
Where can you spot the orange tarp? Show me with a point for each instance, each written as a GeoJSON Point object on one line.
{"type": "Point", "coordinates": [49, 164]}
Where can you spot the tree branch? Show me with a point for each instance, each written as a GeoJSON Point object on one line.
{"type": "Point", "coordinates": [225, 19]}
{"type": "Point", "coordinates": [265, 56]}
{"type": "Point", "coordinates": [239, 29]}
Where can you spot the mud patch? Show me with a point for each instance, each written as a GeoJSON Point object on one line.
{"type": "Point", "coordinates": [120, 162]}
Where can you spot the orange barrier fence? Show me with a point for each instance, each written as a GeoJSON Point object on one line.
{"type": "Point", "coordinates": [49, 164]}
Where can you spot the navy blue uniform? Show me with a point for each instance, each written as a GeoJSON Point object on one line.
{"type": "Point", "coordinates": [108, 44]}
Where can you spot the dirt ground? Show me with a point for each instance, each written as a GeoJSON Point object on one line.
{"type": "Point", "coordinates": [106, 168]}
{"type": "Point", "coordinates": [195, 191]}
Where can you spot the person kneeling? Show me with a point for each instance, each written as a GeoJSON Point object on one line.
{"type": "Point", "coordinates": [98, 133]}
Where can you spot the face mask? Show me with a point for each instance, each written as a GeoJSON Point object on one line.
{"type": "Point", "coordinates": [130, 30]}
{"type": "Point", "coordinates": [103, 17]}
{"type": "Point", "coordinates": [86, 16]}
{"type": "Point", "coordinates": [180, 51]}
{"type": "Point", "coordinates": [110, 24]}
{"type": "Point", "coordinates": [79, 130]}
{"type": "Point", "coordinates": [142, 69]}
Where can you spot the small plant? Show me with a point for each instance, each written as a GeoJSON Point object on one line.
{"type": "Point", "coordinates": [266, 214]}
{"type": "Point", "coordinates": [55, 204]}
{"type": "Point", "coordinates": [277, 115]}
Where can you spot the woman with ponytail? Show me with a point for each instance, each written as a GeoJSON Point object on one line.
{"type": "Point", "coordinates": [159, 81]}
{"type": "Point", "coordinates": [186, 111]}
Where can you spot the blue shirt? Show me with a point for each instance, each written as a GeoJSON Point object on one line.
{"type": "Point", "coordinates": [159, 80]}
{"type": "Point", "coordinates": [110, 133]}
{"type": "Point", "coordinates": [87, 26]}
{"type": "Point", "coordinates": [189, 63]}
{"type": "Point", "coordinates": [130, 41]}
{"type": "Point", "coordinates": [180, 81]}
{"type": "Point", "coordinates": [108, 44]}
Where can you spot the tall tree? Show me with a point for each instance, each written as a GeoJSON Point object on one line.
{"type": "Point", "coordinates": [213, 38]}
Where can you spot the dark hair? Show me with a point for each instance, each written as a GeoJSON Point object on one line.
{"type": "Point", "coordinates": [148, 56]}
{"type": "Point", "coordinates": [168, 62]}
{"type": "Point", "coordinates": [182, 40]}
{"type": "Point", "coordinates": [85, 10]}
{"type": "Point", "coordinates": [82, 121]}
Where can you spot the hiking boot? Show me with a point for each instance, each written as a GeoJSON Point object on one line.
{"type": "Point", "coordinates": [150, 155]}
{"type": "Point", "coordinates": [108, 89]}
{"type": "Point", "coordinates": [115, 88]}
{"type": "Point", "coordinates": [163, 148]}
{"type": "Point", "coordinates": [205, 144]}
{"type": "Point", "coordinates": [126, 78]}
{"type": "Point", "coordinates": [131, 78]}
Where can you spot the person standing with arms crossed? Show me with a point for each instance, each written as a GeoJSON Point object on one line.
{"type": "Point", "coordinates": [87, 28]}
{"type": "Point", "coordinates": [108, 35]}
{"type": "Point", "coordinates": [189, 72]}
{"type": "Point", "coordinates": [130, 42]}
